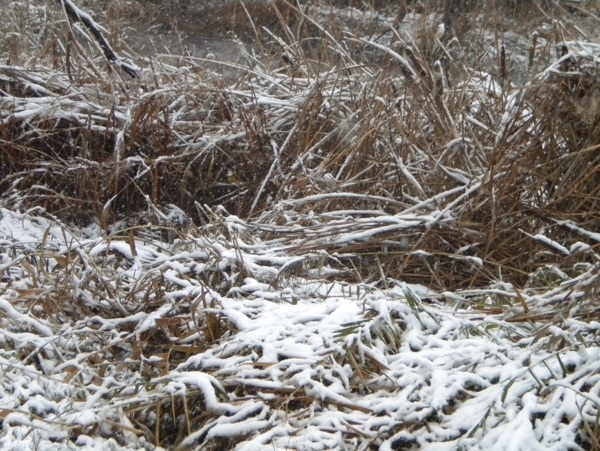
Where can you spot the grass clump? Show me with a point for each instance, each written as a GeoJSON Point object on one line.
{"type": "Point", "coordinates": [424, 179]}
{"type": "Point", "coordinates": [396, 119]}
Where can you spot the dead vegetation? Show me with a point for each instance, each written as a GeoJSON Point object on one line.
{"type": "Point", "coordinates": [418, 126]}
{"type": "Point", "coordinates": [355, 149]}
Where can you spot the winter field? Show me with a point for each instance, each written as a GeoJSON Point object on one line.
{"type": "Point", "coordinates": [351, 226]}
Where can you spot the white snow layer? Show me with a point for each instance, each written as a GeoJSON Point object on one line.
{"type": "Point", "coordinates": [299, 363]}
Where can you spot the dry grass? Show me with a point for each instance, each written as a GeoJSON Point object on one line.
{"type": "Point", "coordinates": [361, 143]}
{"type": "Point", "coordinates": [409, 122]}
{"type": "Point", "coordinates": [133, 336]}
{"type": "Point", "coordinates": [353, 140]}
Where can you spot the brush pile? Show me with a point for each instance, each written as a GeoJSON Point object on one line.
{"type": "Point", "coordinates": [376, 230]}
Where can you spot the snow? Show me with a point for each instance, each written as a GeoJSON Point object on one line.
{"type": "Point", "coordinates": [250, 332]}
{"type": "Point", "coordinates": [10, 312]}
{"type": "Point", "coordinates": [206, 384]}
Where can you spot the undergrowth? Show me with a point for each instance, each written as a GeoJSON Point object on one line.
{"type": "Point", "coordinates": [389, 119]}
{"type": "Point", "coordinates": [350, 147]}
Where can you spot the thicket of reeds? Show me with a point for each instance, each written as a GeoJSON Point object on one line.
{"type": "Point", "coordinates": [487, 137]}
{"type": "Point", "coordinates": [370, 142]}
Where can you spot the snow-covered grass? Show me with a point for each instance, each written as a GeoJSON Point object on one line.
{"type": "Point", "coordinates": [128, 342]}
{"type": "Point", "coordinates": [362, 235]}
